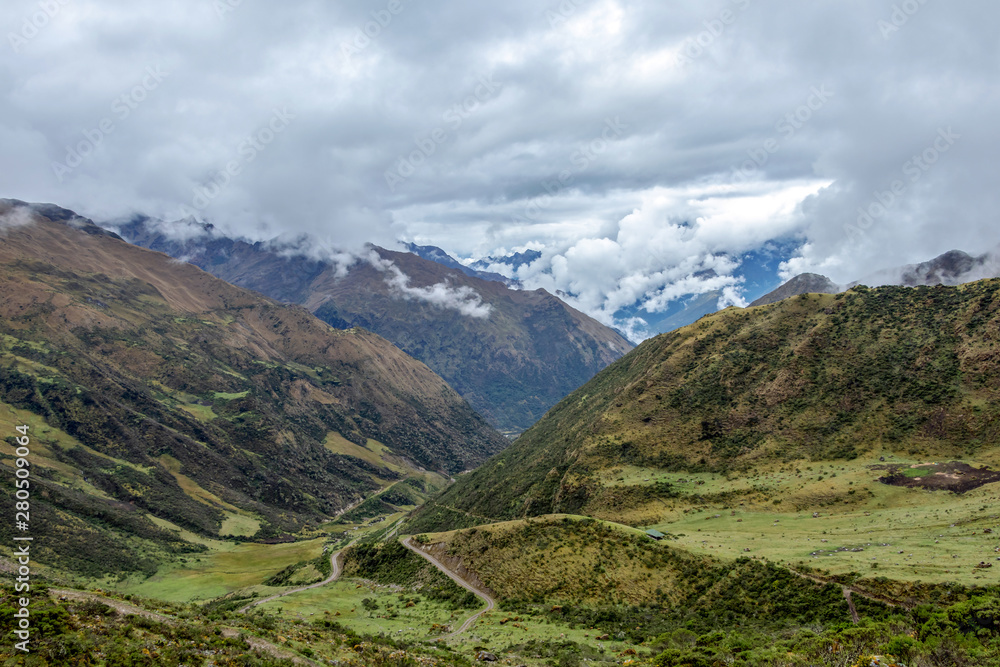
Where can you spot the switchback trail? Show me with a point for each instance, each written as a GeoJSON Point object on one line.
{"type": "Point", "coordinates": [334, 574]}
{"type": "Point", "coordinates": [128, 609]}
{"type": "Point", "coordinates": [490, 603]}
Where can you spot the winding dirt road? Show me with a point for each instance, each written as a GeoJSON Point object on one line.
{"type": "Point", "coordinates": [334, 574]}
{"type": "Point", "coordinates": [483, 595]}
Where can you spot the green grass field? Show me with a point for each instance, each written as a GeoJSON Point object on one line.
{"type": "Point", "coordinates": [225, 568]}
{"type": "Point", "coordinates": [342, 602]}
{"type": "Point", "coordinates": [940, 534]}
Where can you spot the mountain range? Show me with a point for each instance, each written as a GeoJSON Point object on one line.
{"type": "Point", "coordinates": [161, 399]}
{"type": "Point", "coordinates": [511, 353]}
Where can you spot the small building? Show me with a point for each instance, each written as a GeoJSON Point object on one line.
{"type": "Point", "coordinates": [655, 534]}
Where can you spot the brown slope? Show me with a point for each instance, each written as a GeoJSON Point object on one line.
{"type": "Point", "coordinates": [276, 333]}
{"type": "Point", "coordinates": [126, 353]}
{"type": "Point", "coordinates": [527, 355]}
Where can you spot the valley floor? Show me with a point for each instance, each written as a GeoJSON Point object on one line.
{"type": "Point", "coordinates": [883, 543]}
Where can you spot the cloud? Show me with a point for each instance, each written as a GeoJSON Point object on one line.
{"type": "Point", "coordinates": [318, 250]}
{"type": "Point", "coordinates": [464, 299]}
{"type": "Point", "coordinates": [677, 242]}
{"type": "Point", "coordinates": [14, 216]}
{"type": "Point", "coordinates": [188, 229]}
{"type": "Point", "coordinates": [594, 115]}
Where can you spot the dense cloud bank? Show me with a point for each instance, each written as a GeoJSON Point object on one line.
{"type": "Point", "coordinates": [643, 147]}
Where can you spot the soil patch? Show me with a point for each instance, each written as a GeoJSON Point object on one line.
{"type": "Point", "coordinates": [952, 476]}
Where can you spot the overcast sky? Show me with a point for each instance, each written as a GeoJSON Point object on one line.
{"type": "Point", "coordinates": [636, 143]}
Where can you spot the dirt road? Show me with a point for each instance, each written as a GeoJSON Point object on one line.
{"type": "Point", "coordinates": [334, 574]}
{"type": "Point", "coordinates": [483, 595]}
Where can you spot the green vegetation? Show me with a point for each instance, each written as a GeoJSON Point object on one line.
{"type": "Point", "coordinates": [820, 471]}
{"type": "Point", "coordinates": [568, 560]}
{"type": "Point", "coordinates": [157, 393]}
{"type": "Point", "coordinates": [391, 563]}
{"type": "Point", "coordinates": [96, 630]}
{"type": "Point", "coordinates": [303, 573]}
{"type": "Point", "coordinates": [223, 568]}
{"type": "Point", "coordinates": [815, 378]}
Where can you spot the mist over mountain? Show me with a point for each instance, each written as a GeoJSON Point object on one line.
{"type": "Point", "coordinates": [952, 268]}
{"type": "Point", "coordinates": [435, 254]}
{"type": "Point", "coordinates": [511, 353]}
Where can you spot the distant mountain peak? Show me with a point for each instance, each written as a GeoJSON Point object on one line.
{"type": "Point", "coordinates": [954, 267]}
{"type": "Point", "coordinates": [439, 256]}
{"type": "Point", "coordinates": [804, 283]}
{"type": "Point", "coordinates": [515, 260]}
{"type": "Point", "coordinates": [56, 214]}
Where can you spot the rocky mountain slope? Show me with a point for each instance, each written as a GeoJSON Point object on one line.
{"type": "Point", "coordinates": [820, 377]}
{"type": "Point", "coordinates": [153, 389]}
{"type": "Point", "coordinates": [512, 354]}
{"type": "Point", "coordinates": [952, 268]}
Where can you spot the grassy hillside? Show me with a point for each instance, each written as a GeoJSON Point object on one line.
{"type": "Point", "coordinates": [512, 366]}
{"type": "Point", "coordinates": [615, 588]}
{"type": "Point", "coordinates": [153, 389]}
{"type": "Point", "coordinates": [578, 561]}
{"type": "Point", "coordinates": [905, 371]}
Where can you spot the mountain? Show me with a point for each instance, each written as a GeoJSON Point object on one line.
{"type": "Point", "coordinates": [815, 377]}
{"type": "Point", "coordinates": [160, 398]}
{"type": "Point", "coordinates": [512, 354]}
{"type": "Point", "coordinates": [805, 283]}
{"type": "Point", "coordinates": [514, 261]}
{"type": "Point", "coordinates": [952, 268]}
{"type": "Point", "coordinates": [435, 254]}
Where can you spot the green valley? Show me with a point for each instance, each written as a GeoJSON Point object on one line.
{"type": "Point", "coordinates": [219, 479]}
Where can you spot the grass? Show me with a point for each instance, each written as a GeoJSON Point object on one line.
{"type": "Point", "coordinates": [43, 438]}
{"type": "Point", "coordinates": [940, 533]}
{"type": "Point", "coordinates": [239, 525]}
{"type": "Point", "coordinates": [236, 522]}
{"type": "Point", "coordinates": [225, 568]}
{"type": "Point", "coordinates": [338, 444]}
{"type": "Point", "coordinates": [564, 559]}
{"type": "Point", "coordinates": [201, 412]}
{"type": "Point", "coordinates": [219, 395]}
{"type": "Point", "coordinates": [381, 455]}
{"type": "Point", "coordinates": [191, 487]}
{"type": "Point", "coordinates": [496, 630]}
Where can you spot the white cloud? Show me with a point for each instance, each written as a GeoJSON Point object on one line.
{"type": "Point", "coordinates": [318, 250]}
{"type": "Point", "coordinates": [678, 242]}
{"type": "Point", "coordinates": [464, 299]}
{"type": "Point", "coordinates": [614, 232]}
{"type": "Point", "coordinates": [15, 216]}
